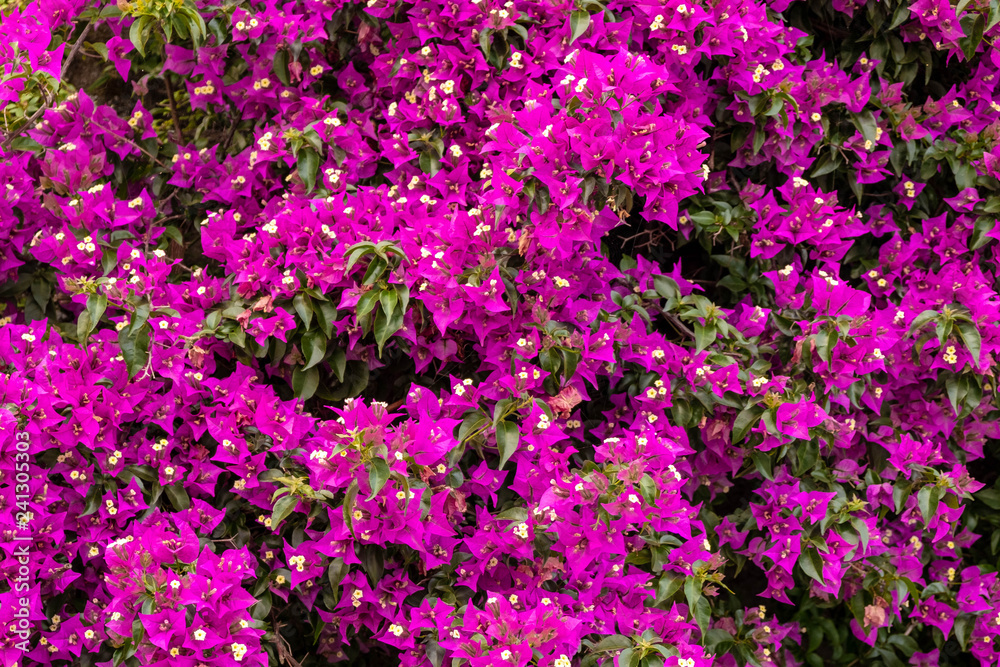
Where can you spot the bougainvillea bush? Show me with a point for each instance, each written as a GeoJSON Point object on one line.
{"type": "Point", "coordinates": [458, 332]}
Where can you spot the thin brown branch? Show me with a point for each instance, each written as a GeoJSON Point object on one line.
{"type": "Point", "coordinates": [173, 108]}
{"type": "Point", "coordinates": [229, 139]}
{"type": "Point", "coordinates": [676, 321]}
{"type": "Point", "coordinates": [48, 100]}
{"type": "Point", "coordinates": [129, 141]}
{"type": "Point", "coordinates": [76, 49]}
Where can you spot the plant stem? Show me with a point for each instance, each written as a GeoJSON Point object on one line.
{"type": "Point", "coordinates": [129, 141]}
{"type": "Point", "coordinates": [173, 108]}
{"type": "Point", "coordinates": [48, 100]}
{"type": "Point", "coordinates": [76, 49]}
{"type": "Point", "coordinates": [229, 139]}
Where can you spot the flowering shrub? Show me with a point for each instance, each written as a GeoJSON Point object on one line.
{"type": "Point", "coordinates": [529, 333]}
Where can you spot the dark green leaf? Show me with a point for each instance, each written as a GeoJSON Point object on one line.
{"type": "Point", "coordinates": [508, 437]}
{"type": "Point", "coordinates": [373, 562]}
{"type": "Point", "coordinates": [280, 61]}
{"type": "Point", "coordinates": [303, 306]}
{"type": "Point", "coordinates": [745, 421]}
{"type": "Point", "coordinates": [178, 496]}
{"type": "Point", "coordinates": [612, 643]}
{"type": "Point", "coordinates": [305, 382]}
{"type": "Point", "coordinates": [348, 507]}
{"type": "Point", "coordinates": [388, 298]}
{"type": "Point", "coordinates": [308, 167]}
{"type": "Point", "coordinates": [970, 336]}
{"type": "Point", "coordinates": [812, 564]}
{"type": "Point", "coordinates": [285, 505]}
{"type": "Point", "coordinates": [378, 475]}
{"type": "Point", "coordinates": [518, 514]}
{"type": "Point", "coordinates": [313, 348]}
{"type": "Point", "coordinates": [927, 499]}
{"type": "Point", "coordinates": [135, 349]}
{"type": "Point", "coordinates": [338, 362]}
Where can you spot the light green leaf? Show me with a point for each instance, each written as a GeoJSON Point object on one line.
{"type": "Point", "coordinates": [579, 21]}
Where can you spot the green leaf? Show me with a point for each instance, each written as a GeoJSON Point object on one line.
{"type": "Point", "coordinates": [338, 362]}
{"type": "Point", "coordinates": [313, 348]}
{"type": "Point", "coordinates": [692, 591]}
{"type": "Point", "coordinates": [518, 514]}
{"type": "Point", "coordinates": [484, 43]}
{"type": "Point", "coordinates": [135, 348]}
{"type": "Point", "coordinates": [579, 21]}
{"type": "Point", "coordinates": [763, 464]}
{"type": "Point", "coordinates": [500, 408]}
{"type": "Point", "coordinates": [305, 382]}
{"type": "Point", "coordinates": [920, 320]}
{"type": "Point", "coordinates": [280, 61]}
{"type": "Point", "coordinates": [905, 643]}
{"type": "Point", "coordinates": [508, 437]}
{"type": "Point", "coordinates": [951, 386]}
{"type": "Point", "coordinates": [367, 303]}
{"type": "Point", "coordinates": [385, 327]}
{"type": "Point", "coordinates": [348, 507]}
{"type": "Point", "coordinates": [970, 336]}
{"type": "Point", "coordinates": [900, 492]}
{"type": "Point", "coordinates": [989, 496]}
{"type": "Point", "coordinates": [376, 268]}
{"type": "Point", "coordinates": [471, 422]}
{"type": "Point", "coordinates": [282, 508]}
{"type": "Point", "coordinates": [138, 34]}
{"type": "Point", "coordinates": [867, 125]}
{"type": "Point", "coordinates": [812, 564]}
{"type": "Point", "coordinates": [178, 496]}
{"type": "Point", "coordinates": [84, 325]}
{"type": "Point", "coordinates": [927, 499]}
{"type": "Point", "coordinates": [974, 38]}
{"type": "Point", "coordinates": [963, 627]}
{"type": "Point", "coordinates": [388, 298]}
{"type": "Point", "coordinates": [980, 233]}
{"type": "Point", "coordinates": [308, 167]}
{"type": "Point", "coordinates": [337, 570]}
{"type": "Point", "coordinates": [378, 474]}
{"type": "Point", "coordinates": [373, 562]}
{"type": "Point", "coordinates": [703, 336]}
{"type": "Point", "coordinates": [96, 305]}
{"type": "Point", "coordinates": [612, 643]}
{"type": "Point", "coordinates": [703, 614]}
{"type": "Point", "coordinates": [139, 318]}
{"type": "Point", "coordinates": [26, 144]}
{"type": "Point", "coordinates": [92, 500]}
{"type": "Point", "coordinates": [303, 306]}
{"type": "Point", "coordinates": [826, 341]}
{"type": "Point", "coordinates": [807, 454]}
{"type": "Point", "coordinates": [745, 421]}
{"type": "Point", "coordinates": [327, 317]}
